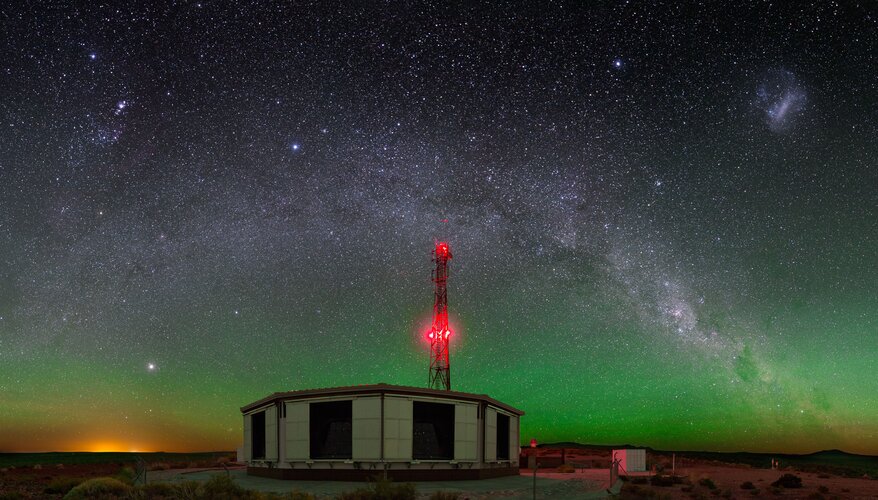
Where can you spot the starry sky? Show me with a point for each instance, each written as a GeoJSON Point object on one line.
{"type": "Point", "coordinates": [664, 216]}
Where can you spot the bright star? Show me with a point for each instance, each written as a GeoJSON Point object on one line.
{"type": "Point", "coordinates": [150, 367]}
{"type": "Point", "coordinates": [617, 63]}
{"type": "Point", "coordinates": [295, 146]}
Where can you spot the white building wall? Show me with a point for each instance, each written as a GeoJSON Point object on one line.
{"type": "Point", "coordinates": [398, 428]}
{"type": "Point", "coordinates": [271, 433]}
{"type": "Point", "coordinates": [514, 439]}
{"type": "Point", "coordinates": [366, 428]}
{"type": "Point", "coordinates": [248, 448]}
{"type": "Point", "coordinates": [466, 432]}
{"type": "Point", "coordinates": [490, 435]}
{"type": "Point", "coordinates": [281, 435]}
{"type": "Point", "coordinates": [298, 432]}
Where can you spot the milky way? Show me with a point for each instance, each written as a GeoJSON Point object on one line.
{"type": "Point", "coordinates": [663, 219]}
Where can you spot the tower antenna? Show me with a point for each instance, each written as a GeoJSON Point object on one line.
{"type": "Point", "coordinates": [440, 367]}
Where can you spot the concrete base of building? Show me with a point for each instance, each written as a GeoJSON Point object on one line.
{"type": "Point", "coordinates": [398, 475]}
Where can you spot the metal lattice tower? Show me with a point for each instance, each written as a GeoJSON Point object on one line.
{"type": "Point", "coordinates": [440, 368]}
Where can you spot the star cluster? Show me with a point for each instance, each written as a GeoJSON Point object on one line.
{"type": "Point", "coordinates": [663, 217]}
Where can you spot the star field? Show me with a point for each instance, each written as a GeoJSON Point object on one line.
{"type": "Point", "coordinates": [663, 216]}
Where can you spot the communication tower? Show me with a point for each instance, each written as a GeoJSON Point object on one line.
{"type": "Point", "coordinates": [440, 368]}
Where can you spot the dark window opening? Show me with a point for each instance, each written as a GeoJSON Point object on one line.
{"type": "Point", "coordinates": [257, 436]}
{"type": "Point", "coordinates": [433, 431]}
{"type": "Point", "coordinates": [331, 425]}
{"type": "Point", "coordinates": [502, 437]}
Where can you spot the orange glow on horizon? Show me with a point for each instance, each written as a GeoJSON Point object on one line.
{"type": "Point", "coordinates": [145, 443]}
{"type": "Point", "coordinates": [103, 446]}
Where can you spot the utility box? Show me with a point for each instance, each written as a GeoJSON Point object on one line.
{"type": "Point", "coordinates": [630, 460]}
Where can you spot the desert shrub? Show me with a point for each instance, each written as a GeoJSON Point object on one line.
{"type": "Point", "coordinates": [707, 483]}
{"type": "Point", "coordinates": [61, 485]}
{"type": "Point", "coordinates": [634, 490]}
{"type": "Point", "coordinates": [11, 495]}
{"type": "Point", "coordinates": [98, 487]}
{"type": "Point", "coordinates": [38, 467]}
{"type": "Point", "coordinates": [126, 475]}
{"type": "Point", "coordinates": [298, 495]}
{"type": "Point", "coordinates": [382, 489]}
{"type": "Point", "coordinates": [822, 489]}
{"type": "Point", "coordinates": [223, 486]}
{"type": "Point", "coordinates": [385, 488]}
{"type": "Point", "coordinates": [755, 492]}
{"type": "Point", "coordinates": [159, 466]}
{"type": "Point", "coordinates": [659, 480]}
{"type": "Point", "coordinates": [444, 495]}
{"type": "Point", "coordinates": [788, 481]}
{"type": "Point", "coordinates": [774, 490]}
{"type": "Point", "coordinates": [727, 493]}
{"type": "Point", "coordinates": [156, 490]}
{"type": "Point", "coordinates": [189, 489]}
{"type": "Point", "coordinates": [566, 468]}
{"type": "Point", "coordinates": [747, 485]}
{"type": "Point", "coordinates": [59, 466]}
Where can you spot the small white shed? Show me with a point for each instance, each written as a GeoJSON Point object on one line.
{"type": "Point", "coordinates": [631, 459]}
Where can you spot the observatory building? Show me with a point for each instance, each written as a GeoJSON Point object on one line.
{"type": "Point", "coordinates": [353, 433]}
{"type": "Point", "coordinates": [407, 433]}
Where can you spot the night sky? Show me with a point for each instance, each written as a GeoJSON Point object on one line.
{"type": "Point", "coordinates": [664, 218]}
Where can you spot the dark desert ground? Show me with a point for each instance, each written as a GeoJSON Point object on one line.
{"type": "Point", "coordinates": [831, 474]}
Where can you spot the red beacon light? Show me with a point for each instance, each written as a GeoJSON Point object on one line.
{"type": "Point", "coordinates": [445, 334]}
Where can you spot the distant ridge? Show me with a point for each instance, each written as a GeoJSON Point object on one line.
{"type": "Point", "coordinates": [571, 444]}
{"type": "Point", "coordinates": [837, 462]}
{"type": "Point", "coordinates": [11, 459]}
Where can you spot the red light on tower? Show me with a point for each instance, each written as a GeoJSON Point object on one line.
{"type": "Point", "coordinates": [440, 367]}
